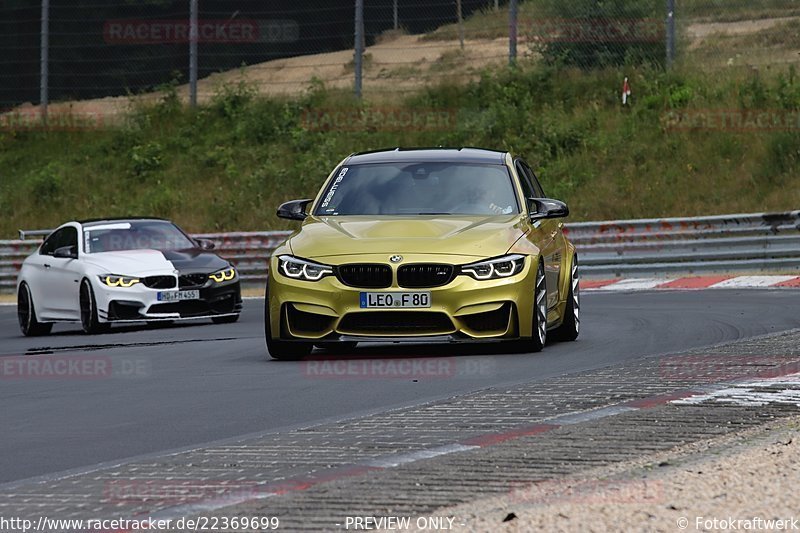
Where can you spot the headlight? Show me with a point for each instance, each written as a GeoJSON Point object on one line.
{"type": "Point", "coordinates": [223, 275]}
{"type": "Point", "coordinates": [113, 280]}
{"type": "Point", "coordinates": [296, 268]}
{"type": "Point", "coordinates": [501, 267]}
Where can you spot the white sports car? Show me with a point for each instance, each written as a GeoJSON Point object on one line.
{"type": "Point", "coordinates": [108, 271]}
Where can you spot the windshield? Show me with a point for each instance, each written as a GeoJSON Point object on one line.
{"type": "Point", "coordinates": [136, 235]}
{"type": "Point", "coordinates": [420, 189]}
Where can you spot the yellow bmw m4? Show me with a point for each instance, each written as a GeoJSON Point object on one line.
{"type": "Point", "coordinates": [434, 245]}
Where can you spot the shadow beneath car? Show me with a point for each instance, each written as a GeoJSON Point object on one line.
{"type": "Point", "coordinates": [416, 350]}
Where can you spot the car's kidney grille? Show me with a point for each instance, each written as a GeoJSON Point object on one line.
{"type": "Point", "coordinates": [424, 275]}
{"type": "Point", "coordinates": [187, 281]}
{"type": "Point", "coordinates": [365, 276]}
{"type": "Point", "coordinates": [159, 282]}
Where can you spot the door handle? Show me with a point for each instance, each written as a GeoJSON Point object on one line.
{"type": "Point", "coordinates": [46, 265]}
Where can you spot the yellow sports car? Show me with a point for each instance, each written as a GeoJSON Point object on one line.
{"type": "Point", "coordinates": [425, 245]}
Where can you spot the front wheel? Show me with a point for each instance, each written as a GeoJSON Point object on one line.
{"type": "Point", "coordinates": [89, 320]}
{"type": "Point", "coordinates": [539, 333]}
{"type": "Point", "coordinates": [571, 326]}
{"type": "Point", "coordinates": [26, 314]}
{"type": "Point", "coordinates": [538, 337]}
{"type": "Point", "coordinates": [279, 349]}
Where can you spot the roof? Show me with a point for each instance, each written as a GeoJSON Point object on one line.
{"type": "Point", "coordinates": [94, 221]}
{"type": "Point", "coordinates": [424, 155]}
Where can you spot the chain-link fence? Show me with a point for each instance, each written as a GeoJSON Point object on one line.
{"type": "Point", "coordinates": [78, 50]}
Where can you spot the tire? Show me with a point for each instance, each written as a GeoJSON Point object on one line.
{"type": "Point", "coordinates": [225, 319]}
{"type": "Point", "coordinates": [89, 321]}
{"type": "Point", "coordinates": [538, 337]}
{"type": "Point", "coordinates": [570, 328]}
{"type": "Point", "coordinates": [278, 349]}
{"type": "Point", "coordinates": [26, 314]}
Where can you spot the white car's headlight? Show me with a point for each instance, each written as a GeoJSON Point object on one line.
{"type": "Point", "coordinates": [113, 280]}
{"type": "Point", "coordinates": [296, 268]}
{"type": "Point", "coordinates": [500, 267]}
{"type": "Point", "coordinates": [223, 275]}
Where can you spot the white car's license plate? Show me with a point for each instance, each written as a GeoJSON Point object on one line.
{"type": "Point", "coordinates": [371, 300]}
{"type": "Point", "coordinates": [174, 296]}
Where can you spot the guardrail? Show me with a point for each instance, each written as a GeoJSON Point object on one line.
{"type": "Point", "coordinates": [726, 243]}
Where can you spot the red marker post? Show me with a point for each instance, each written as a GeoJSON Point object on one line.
{"type": "Point", "coordinates": [626, 91]}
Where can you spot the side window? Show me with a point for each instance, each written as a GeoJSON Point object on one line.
{"type": "Point", "coordinates": [64, 237]}
{"type": "Point", "coordinates": [537, 187]}
{"type": "Point", "coordinates": [525, 182]}
{"type": "Point", "coordinates": [51, 243]}
{"type": "Point", "coordinates": [70, 237]}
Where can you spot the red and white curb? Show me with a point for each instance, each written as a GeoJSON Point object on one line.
{"type": "Point", "coordinates": [691, 283]}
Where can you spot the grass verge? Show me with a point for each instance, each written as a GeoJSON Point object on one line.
{"type": "Point", "coordinates": [228, 164]}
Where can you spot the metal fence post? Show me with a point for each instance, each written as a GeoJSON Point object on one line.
{"type": "Point", "coordinates": [396, 19]}
{"type": "Point", "coordinates": [359, 47]}
{"type": "Point", "coordinates": [512, 32]}
{"type": "Point", "coordinates": [44, 73]}
{"type": "Point", "coordinates": [193, 38]}
{"type": "Point", "coordinates": [670, 32]}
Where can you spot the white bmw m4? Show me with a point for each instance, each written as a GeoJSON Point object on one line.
{"type": "Point", "coordinates": [99, 272]}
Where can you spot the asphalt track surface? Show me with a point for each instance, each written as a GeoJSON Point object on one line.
{"type": "Point", "coordinates": [189, 385]}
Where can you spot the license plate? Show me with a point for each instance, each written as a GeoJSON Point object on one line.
{"type": "Point", "coordinates": [371, 300]}
{"type": "Point", "coordinates": [174, 296]}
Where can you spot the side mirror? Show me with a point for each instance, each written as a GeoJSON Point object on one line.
{"type": "Point", "coordinates": [205, 244]}
{"type": "Point", "coordinates": [294, 210]}
{"type": "Point", "coordinates": [66, 252]}
{"type": "Point", "coordinates": [542, 208]}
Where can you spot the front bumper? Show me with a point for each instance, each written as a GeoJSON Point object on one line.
{"type": "Point", "coordinates": [463, 310]}
{"type": "Point", "coordinates": [138, 303]}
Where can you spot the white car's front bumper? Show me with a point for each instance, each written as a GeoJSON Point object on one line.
{"type": "Point", "coordinates": [138, 302]}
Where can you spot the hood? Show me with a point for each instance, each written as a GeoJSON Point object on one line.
{"type": "Point", "coordinates": [477, 236]}
{"type": "Point", "coordinates": [149, 262]}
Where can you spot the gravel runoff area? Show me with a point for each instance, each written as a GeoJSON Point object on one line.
{"type": "Point", "coordinates": [736, 482]}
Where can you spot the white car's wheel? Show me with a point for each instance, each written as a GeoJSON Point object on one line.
{"type": "Point", "coordinates": [26, 314]}
{"type": "Point", "coordinates": [89, 320]}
